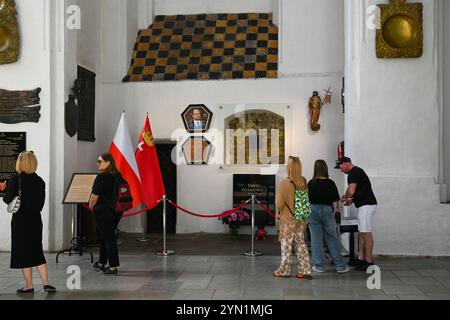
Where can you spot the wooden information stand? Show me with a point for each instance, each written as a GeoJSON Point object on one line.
{"type": "Point", "coordinates": [79, 192]}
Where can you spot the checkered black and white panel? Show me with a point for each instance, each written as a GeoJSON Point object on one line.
{"type": "Point", "coordinates": [205, 47]}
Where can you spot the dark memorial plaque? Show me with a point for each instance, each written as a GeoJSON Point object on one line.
{"type": "Point", "coordinates": [263, 187]}
{"type": "Point", "coordinates": [86, 104]}
{"type": "Point", "coordinates": [11, 145]}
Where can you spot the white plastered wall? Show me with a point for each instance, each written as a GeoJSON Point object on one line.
{"type": "Point", "coordinates": [392, 131]}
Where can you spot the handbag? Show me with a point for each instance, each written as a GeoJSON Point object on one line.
{"type": "Point", "coordinates": [14, 205]}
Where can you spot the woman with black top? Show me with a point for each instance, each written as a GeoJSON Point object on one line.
{"type": "Point", "coordinates": [26, 224]}
{"type": "Point", "coordinates": [324, 197]}
{"type": "Point", "coordinates": [102, 202]}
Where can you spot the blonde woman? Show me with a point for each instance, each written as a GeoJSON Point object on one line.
{"type": "Point", "coordinates": [292, 231]}
{"type": "Point", "coordinates": [26, 224]}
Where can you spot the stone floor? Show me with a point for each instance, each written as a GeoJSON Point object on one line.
{"type": "Point", "coordinates": [212, 267]}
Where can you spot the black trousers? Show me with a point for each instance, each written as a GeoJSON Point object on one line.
{"type": "Point", "coordinates": [107, 223]}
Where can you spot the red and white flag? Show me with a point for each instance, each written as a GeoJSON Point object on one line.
{"type": "Point", "coordinates": [147, 160]}
{"type": "Point", "coordinates": [122, 151]}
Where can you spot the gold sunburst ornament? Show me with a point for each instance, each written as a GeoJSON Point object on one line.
{"type": "Point", "coordinates": [9, 32]}
{"type": "Point", "coordinates": [401, 32]}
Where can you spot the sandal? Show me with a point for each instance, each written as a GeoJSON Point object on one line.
{"type": "Point", "coordinates": [304, 276]}
{"type": "Point", "coordinates": [276, 274]}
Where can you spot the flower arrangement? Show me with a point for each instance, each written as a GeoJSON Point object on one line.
{"type": "Point", "coordinates": [235, 219]}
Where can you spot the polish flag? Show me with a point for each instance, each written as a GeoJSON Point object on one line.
{"type": "Point", "coordinates": [122, 152]}
{"type": "Point", "coordinates": [150, 172]}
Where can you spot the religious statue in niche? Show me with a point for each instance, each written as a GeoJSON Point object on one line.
{"type": "Point", "coordinates": [315, 106]}
{"type": "Point", "coordinates": [401, 31]}
{"type": "Point", "coordinates": [19, 106]}
{"type": "Point", "coordinates": [9, 32]}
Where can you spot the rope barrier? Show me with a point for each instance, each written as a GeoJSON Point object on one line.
{"type": "Point", "coordinates": [124, 216]}
{"type": "Point", "coordinates": [265, 209]}
{"type": "Point", "coordinates": [220, 215]}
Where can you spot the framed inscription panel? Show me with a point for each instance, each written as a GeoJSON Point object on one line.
{"type": "Point", "coordinates": [80, 188]}
{"type": "Point", "coordinates": [263, 187]}
{"type": "Point", "coordinates": [11, 145]}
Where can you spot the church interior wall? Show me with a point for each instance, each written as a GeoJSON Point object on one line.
{"type": "Point", "coordinates": [391, 119]}
{"type": "Point", "coordinates": [165, 101]}
{"type": "Point", "coordinates": [392, 131]}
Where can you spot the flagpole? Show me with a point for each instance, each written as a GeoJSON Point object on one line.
{"type": "Point", "coordinates": [145, 226]}
{"type": "Point", "coordinates": [144, 230]}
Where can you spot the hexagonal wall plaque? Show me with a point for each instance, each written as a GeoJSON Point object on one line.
{"type": "Point", "coordinates": [197, 118]}
{"type": "Point", "coordinates": [197, 150]}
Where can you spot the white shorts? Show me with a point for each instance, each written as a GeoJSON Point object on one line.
{"type": "Point", "coordinates": [365, 218]}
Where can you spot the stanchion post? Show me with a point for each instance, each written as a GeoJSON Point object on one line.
{"type": "Point", "coordinates": [164, 252]}
{"type": "Point", "coordinates": [144, 230]}
{"type": "Point", "coordinates": [252, 252]}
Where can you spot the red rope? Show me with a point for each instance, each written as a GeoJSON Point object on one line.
{"type": "Point", "coordinates": [124, 216]}
{"type": "Point", "coordinates": [220, 215]}
{"type": "Point", "coordinates": [266, 210]}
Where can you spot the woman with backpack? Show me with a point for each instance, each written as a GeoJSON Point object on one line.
{"type": "Point", "coordinates": [324, 197]}
{"type": "Point", "coordinates": [102, 202]}
{"type": "Point", "coordinates": [291, 226]}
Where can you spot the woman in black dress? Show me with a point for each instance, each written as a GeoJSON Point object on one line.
{"type": "Point", "coordinates": [102, 202]}
{"type": "Point", "coordinates": [26, 224]}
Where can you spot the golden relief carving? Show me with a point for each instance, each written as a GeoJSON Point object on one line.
{"type": "Point", "coordinates": [9, 32]}
{"type": "Point", "coordinates": [257, 135]}
{"type": "Point", "coordinates": [401, 32]}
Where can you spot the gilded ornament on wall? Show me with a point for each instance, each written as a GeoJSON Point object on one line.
{"type": "Point", "coordinates": [9, 32]}
{"type": "Point", "coordinates": [401, 31]}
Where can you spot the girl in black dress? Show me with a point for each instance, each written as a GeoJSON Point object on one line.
{"type": "Point", "coordinates": [26, 224]}
{"type": "Point", "coordinates": [102, 202]}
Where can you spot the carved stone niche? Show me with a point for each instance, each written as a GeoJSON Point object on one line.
{"type": "Point", "coordinates": [401, 32]}
{"type": "Point", "coordinates": [19, 106]}
{"type": "Point", "coordinates": [9, 32]}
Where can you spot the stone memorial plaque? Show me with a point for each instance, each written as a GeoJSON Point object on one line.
{"type": "Point", "coordinates": [80, 188]}
{"type": "Point", "coordinates": [263, 187]}
{"type": "Point", "coordinates": [11, 145]}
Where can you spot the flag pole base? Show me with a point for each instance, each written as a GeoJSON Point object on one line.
{"type": "Point", "coordinates": [163, 253]}
{"type": "Point", "coordinates": [253, 253]}
{"type": "Point", "coordinates": [143, 240]}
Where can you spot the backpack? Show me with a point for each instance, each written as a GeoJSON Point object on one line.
{"type": "Point", "coordinates": [302, 206]}
{"type": "Point", "coordinates": [123, 198]}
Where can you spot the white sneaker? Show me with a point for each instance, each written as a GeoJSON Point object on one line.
{"type": "Point", "coordinates": [317, 270]}
{"type": "Point", "coordinates": [347, 269]}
